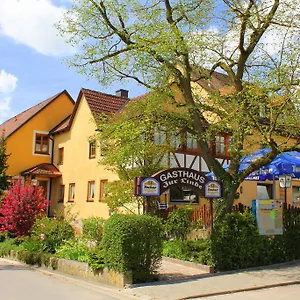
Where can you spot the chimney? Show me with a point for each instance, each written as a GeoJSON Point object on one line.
{"type": "Point", "coordinates": [122, 93]}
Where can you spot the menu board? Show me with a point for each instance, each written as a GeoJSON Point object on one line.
{"type": "Point", "coordinates": [269, 217]}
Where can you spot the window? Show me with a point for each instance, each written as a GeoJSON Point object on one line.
{"type": "Point", "coordinates": [61, 193]}
{"type": "Point", "coordinates": [61, 156]}
{"type": "Point", "coordinates": [91, 191]}
{"type": "Point", "coordinates": [159, 136]}
{"type": "Point", "coordinates": [264, 191]}
{"type": "Point", "coordinates": [92, 149]}
{"type": "Point", "coordinates": [296, 195]}
{"type": "Point", "coordinates": [175, 141]}
{"type": "Point", "coordinates": [191, 142]}
{"type": "Point", "coordinates": [71, 192]}
{"type": "Point", "coordinates": [103, 188]}
{"type": "Point", "coordinates": [221, 145]}
{"type": "Point", "coordinates": [41, 143]}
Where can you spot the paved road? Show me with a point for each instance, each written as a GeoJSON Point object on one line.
{"type": "Point", "coordinates": [291, 292]}
{"type": "Point", "coordinates": [18, 282]}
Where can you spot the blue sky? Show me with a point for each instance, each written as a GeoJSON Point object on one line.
{"type": "Point", "coordinates": [32, 54]}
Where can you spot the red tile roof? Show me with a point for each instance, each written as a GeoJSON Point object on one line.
{"type": "Point", "coordinates": [61, 126]}
{"type": "Point", "coordinates": [103, 103]}
{"type": "Point", "coordinates": [98, 103]}
{"type": "Point", "coordinates": [13, 124]}
{"type": "Point", "coordinates": [45, 169]}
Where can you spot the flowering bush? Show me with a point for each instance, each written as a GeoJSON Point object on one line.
{"type": "Point", "coordinates": [20, 208]}
{"type": "Point", "coordinates": [51, 233]}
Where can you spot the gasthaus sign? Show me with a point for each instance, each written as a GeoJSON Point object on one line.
{"type": "Point", "coordinates": [175, 177]}
{"type": "Point", "coordinates": [182, 177]}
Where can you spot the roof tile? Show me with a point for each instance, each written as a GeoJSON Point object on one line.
{"type": "Point", "coordinates": [103, 103]}
{"type": "Point", "coordinates": [10, 126]}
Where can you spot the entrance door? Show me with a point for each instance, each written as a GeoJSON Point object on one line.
{"type": "Point", "coordinates": [44, 185]}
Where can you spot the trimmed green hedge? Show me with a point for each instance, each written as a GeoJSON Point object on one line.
{"type": "Point", "coordinates": [236, 243]}
{"type": "Point", "coordinates": [133, 243]}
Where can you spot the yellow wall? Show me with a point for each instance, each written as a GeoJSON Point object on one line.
{"type": "Point", "coordinates": [79, 169]}
{"type": "Point", "coordinates": [249, 191]}
{"type": "Point", "coordinates": [21, 143]}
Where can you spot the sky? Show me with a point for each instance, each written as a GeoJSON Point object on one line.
{"type": "Point", "coordinates": [32, 55]}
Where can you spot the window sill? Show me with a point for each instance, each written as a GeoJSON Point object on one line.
{"type": "Point", "coordinates": [71, 201]}
{"type": "Point", "coordinates": [41, 153]}
{"type": "Point", "coordinates": [90, 200]}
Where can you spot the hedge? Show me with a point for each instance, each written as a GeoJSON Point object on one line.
{"type": "Point", "coordinates": [133, 243]}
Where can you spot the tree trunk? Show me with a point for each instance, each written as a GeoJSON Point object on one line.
{"type": "Point", "coordinates": [224, 205]}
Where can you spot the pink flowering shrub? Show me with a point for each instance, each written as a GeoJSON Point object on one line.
{"type": "Point", "coordinates": [21, 206]}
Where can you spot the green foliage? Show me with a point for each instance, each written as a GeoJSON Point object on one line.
{"type": "Point", "coordinates": [179, 223]}
{"type": "Point", "coordinates": [195, 251]}
{"type": "Point", "coordinates": [95, 258]}
{"type": "Point", "coordinates": [120, 196]}
{"type": "Point", "coordinates": [3, 236]}
{"type": "Point", "coordinates": [169, 48]}
{"type": "Point", "coordinates": [6, 246]}
{"type": "Point", "coordinates": [92, 228]}
{"type": "Point", "coordinates": [286, 247]}
{"type": "Point", "coordinates": [236, 243]}
{"type": "Point", "coordinates": [31, 244]}
{"type": "Point", "coordinates": [51, 233]}
{"type": "Point", "coordinates": [75, 249]}
{"type": "Point", "coordinates": [133, 242]}
{"type": "Point", "coordinates": [38, 258]}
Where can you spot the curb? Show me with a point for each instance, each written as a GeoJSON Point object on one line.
{"type": "Point", "coordinates": [205, 268]}
{"type": "Point", "coordinates": [254, 288]}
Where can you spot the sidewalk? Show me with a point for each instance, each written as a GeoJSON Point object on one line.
{"type": "Point", "coordinates": [206, 285]}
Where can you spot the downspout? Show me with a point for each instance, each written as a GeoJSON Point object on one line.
{"type": "Point", "coordinates": [50, 183]}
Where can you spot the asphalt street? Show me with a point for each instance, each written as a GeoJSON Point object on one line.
{"type": "Point", "coordinates": [20, 282]}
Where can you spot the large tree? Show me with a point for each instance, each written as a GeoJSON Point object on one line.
{"type": "Point", "coordinates": [136, 142]}
{"type": "Point", "coordinates": [172, 45]}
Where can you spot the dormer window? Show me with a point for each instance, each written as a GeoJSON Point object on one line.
{"type": "Point", "coordinates": [41, 144]}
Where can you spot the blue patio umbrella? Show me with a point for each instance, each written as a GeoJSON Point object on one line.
{"type": "Point", "coordinates": [284, 163]}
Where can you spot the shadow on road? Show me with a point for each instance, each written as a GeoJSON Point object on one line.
{"type": "Point", "coordinates": [13, 268]}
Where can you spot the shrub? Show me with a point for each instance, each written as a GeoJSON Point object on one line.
{"type": "Point", "coordinates": [92, 228]}
{"type": "Point", "coordinates": [76, 249]}
{"type": "Point", "coordinates": [179, 223]}
{"type": "Point", "coordinates": [20, 208]}
{"type": "Point", "coordinates": [6, 246]}
{"type": "Point", "coordinates": [237, 244]}
{"type": "Point", "coordinates": [95, 258]}
{"type": "Point", "coordinates": [133, 242]}
{"type": "Point", "coordinates": [51, 233]}
{"type": "Point", "coordinates": [195, 251]}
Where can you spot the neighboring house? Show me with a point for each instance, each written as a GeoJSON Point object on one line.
{"type": "Point", "coordinates": [77, 156]}
{"type": "Point", "coordinates": [28, 141]}
{"type": "Point", "coordinates": [51, 145]}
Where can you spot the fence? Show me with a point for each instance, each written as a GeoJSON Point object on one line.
{"type": "Point", "coordinates": [203, 213]}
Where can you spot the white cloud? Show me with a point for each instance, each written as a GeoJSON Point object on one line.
{"type": "Point", "coordinates": [8, 84]}
{"type": "Point", "coordinates": [31, 23]}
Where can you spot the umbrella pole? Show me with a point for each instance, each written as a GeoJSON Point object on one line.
{"type": "Point", "coordinates": [274, 187]}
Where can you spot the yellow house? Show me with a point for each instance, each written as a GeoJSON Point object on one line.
{"type": "Point", "coordinates": [28, 141]}
{"type": "Point", "coordinates": [51, 144]}
{"type": "Point", "coordinates": [82, 186]}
